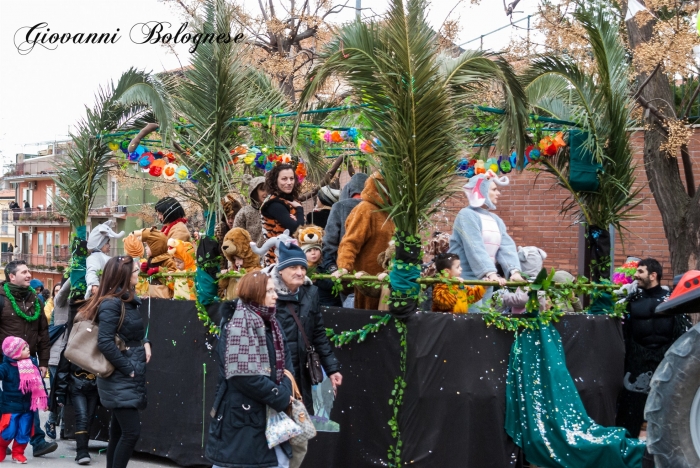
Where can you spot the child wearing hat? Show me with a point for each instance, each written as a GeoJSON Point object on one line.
{"type": "Point", "coordinates": [23, 393]}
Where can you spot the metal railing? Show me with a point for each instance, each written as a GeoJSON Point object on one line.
{"type": "Point", "coordinates": [47, 262]}
{"type": "Point", "coordinates": [34, 216]}
{"type": "Point", "coordinates": [31, 168]}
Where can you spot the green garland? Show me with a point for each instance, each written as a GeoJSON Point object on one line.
{"type": "Point", "coordinates": [339, 339]}
{"type": "Point", "coordinates": [203, 315]}
{"type": "Point", "coordinates": [18, 311]}
{"type": "Point", "coordinates": [394, 452]}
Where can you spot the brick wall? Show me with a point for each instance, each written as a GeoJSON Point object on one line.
{"type": "Point", "coordinates": [530, 206]}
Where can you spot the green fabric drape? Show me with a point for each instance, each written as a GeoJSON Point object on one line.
{"type": "Point", "coordinates": [545, 415]}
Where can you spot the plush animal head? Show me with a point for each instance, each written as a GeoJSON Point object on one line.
{"type": "Point", "coordinates": [274, 243]}
{"type": "Point", "coordinates": [183, 254]}
{"type": "Point", "coordinates": [156, 240]}
{"type": "Point", "coordinates": [384, 258]}
{"type": "Point", "coordinates": [309, 234]}
{"type": "Point", "coordinates": [237, 244]}
{"type": "Point", "coordinates": [531, 260]}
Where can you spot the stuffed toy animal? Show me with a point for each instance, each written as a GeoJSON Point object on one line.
{"type": "Point", "coordinates": [531, 260]}
{"type": "Point", "coordinates": [184, 257]}
{"type": "Point", "coordinates": [273, 243]}
{"type": "Point", "coordinates": [383, 292]}
{"type": "Point", "coordinates": [159, 261]}
{"type": "Point", "coordinates": [310, 238]}
{"type": "Point", "coordinates": [133, 246]}
{"type": "Point", "coordinates": [237, 248]}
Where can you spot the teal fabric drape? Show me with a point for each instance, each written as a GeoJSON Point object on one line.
{"type": "Point", "coordinates": [79, 255]}
{"type": "Point", "coordinates": [545, 415]}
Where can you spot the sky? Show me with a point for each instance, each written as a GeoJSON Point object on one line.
{"type": "Point", "coordinates": [44, 92]}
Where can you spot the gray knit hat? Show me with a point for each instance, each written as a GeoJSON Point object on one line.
{"type": "Point", "coordinates": [328, 196]}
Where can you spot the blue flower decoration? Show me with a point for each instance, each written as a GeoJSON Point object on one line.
{"type": "Point", "coordinates": [134, 156]}
{"type": "Point", "coordinates": [141, 149]}
{"type": "Point", "coordinates": [535, 154]}
{"type": "Point", "coordinates": [462, 165]}
{"type": "Point", "coordinates": [260, 162]}
{"type": "Point", "coordinates": [470, 172]}
{"type": "Point", "coordinates": [352, 133]}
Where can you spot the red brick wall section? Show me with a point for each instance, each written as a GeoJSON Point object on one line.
{"type": "Point", "coordinates": [530, 206]}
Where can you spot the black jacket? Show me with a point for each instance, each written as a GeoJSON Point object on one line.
{"type": "Point", "coordinates": [69, 380]}
{"type": "Point", "coordinates": [120, 390]}
{"type": "Point", "coordinates": [306, 305]}
{"type": "Point", "coordinates": [239, 414]}
{"type": "Point", "coordinates": [643, 325]}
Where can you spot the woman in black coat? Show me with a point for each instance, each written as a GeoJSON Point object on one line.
{"type": "Point", "coordinates": [123, 392]}
{"type": "Point", "coordinates": [249, 381]}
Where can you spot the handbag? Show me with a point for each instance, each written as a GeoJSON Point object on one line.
{"type": "Point", "coordinates": [82, 351]}
{"type": "Point", "coordinates": [280, 428]}
{"type": "Point", "coordinates": [313, 361]}
{"type": "Point", "coordinates": [298, 412]}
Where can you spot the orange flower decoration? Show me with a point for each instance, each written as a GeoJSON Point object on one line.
{"type": "Point", "coordinates": [336, 138]}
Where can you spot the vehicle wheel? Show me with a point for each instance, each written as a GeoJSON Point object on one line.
{"type": "Point", "coordinates": [673, 407]}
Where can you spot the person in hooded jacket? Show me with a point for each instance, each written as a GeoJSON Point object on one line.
{"type": "Point", "coordinates": [367, 234]}
{"type": "Point", "coordinates": [326, 198]}
{"type": "Point", "coordinates": [59, 318]}
{"type": "Point", "coordinates": [248, 217]}
{"type": "Point", "coordinates": [298, 303]}
{"type": "Point", "coordinates": [124, 391]}
{"type": "Point", "coordinates": [250, 379]}
{"type": "Point", "coordinates": [172, 215]}
{"type": "Point", "coordinates": [98, 245]}
{"type": "Point", "coordinates": [350, 197]}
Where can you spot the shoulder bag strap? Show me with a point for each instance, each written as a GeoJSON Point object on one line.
{"type": "Point", "coordinates": [121, 317]}
{"type": "Point", "coordinates": [301, 327]}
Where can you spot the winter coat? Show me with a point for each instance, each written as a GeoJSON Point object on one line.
{"type": "Point", "coordinates": [277, 212]}
{"type": "Point", "coordinates": [179, 231]}
{"type": "Point", "coordinates": [335, 226]}
{"type": "Point", "coordinates": [367, 234]}
{"type": "Point", "coordinates": [319, 217]}
{"type": "Point", "coordinates": [467, 242]}
{"type": "Point", "coordinates": [120, 390]}
{"type": "Point", "coordinates": [35, 333]}
{"type": "Point", "coordinates": [94, 266]}
{"type": "Point", "coordinates": [12, 400]}
{"type": "Point", "coordinates": [643, 326]}
{"type": "Point", "coordinates": [61, 312]}
{"type": "Point", "coordinates": [249, 216]}
{"type": "Point", "coordinates": [305, 303]}
{"type": "Point", "coordinates": [239, 414]}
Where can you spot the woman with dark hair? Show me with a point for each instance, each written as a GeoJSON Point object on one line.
{"type": "Point", "coordinates": [251, 378]}
{"type": "Point", "coordinates": [123, 392]}
{"type": "Point", "coordinates": [281, 210]}
{"type": "Point", "coordinates": [172, 215]}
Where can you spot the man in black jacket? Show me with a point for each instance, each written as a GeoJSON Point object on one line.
{"type": "Point", "coordinates": [647, 338]}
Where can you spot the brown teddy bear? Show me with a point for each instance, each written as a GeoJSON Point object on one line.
{"type": "Point", "coordinates": [369, 289]}
{"type": "Point", "coordinates": [236, 248]}
{"type": "Point", "coordinates": [309, 238]}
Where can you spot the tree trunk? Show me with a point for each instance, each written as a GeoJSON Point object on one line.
{"type": "Point", "coordinates": [680, 213]}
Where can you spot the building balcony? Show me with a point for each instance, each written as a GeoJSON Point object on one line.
{"type": "Point", "coordinates": [34, 218]}
{"type": "Point", "coordinates": [47, 263]}
{"type": "Point", "coordinates": [31, 170]}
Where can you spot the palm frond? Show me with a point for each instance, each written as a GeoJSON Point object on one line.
{"type": "Point", "coordinates": [413, 102]}
{"type": "Point", "coordinates": [599, 101]}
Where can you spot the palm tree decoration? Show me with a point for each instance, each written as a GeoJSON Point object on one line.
{"type": "Point", "coordinates": [415, 98]}
{"type": "Point", "coordinates": [218, 86]}
{"type": "Point", "coordinates": [135, 98]}
{"type": "Point", "coordinates": [598, 99]}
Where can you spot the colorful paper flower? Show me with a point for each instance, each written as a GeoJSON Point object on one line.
{"type": "Point", "coordinates": [156, 169]}
{"type": "Point", "coordinates": [169, 171]}
{"type": "Point", "coordinates": [141, 149]}
{"type": "Point", "coordinates": [124, 146]}
{"type": "Point", "coordinates": [470, 172]}
{"type": "Point", "coordinates": [463, 165]}
{"type": "Point", "coordinates": [112, 146]}
{"type": "Point", "coordinates": [239, 150]}
{"type": "Point", "coordinates": [260, 162]}
{"type": "Point", "coordinates": [249, 158]}
{"type": "Point", "coordinates": [145, 160]}
{"type": "Point", "coordinates": [625, 273]}
{"type": "Point", "coordinates": [327, 136]}
{"type": "Point", "coordinates": [182, 174]}
{"type": "Point", "coordinates": [336, 137]}
{"type": "Point", "coordinates": [285, 158]}
{"type": "Point", "coordinates": [534, 155]}
{"type": "Point", "coordinates": [366, 147]}
{"type": "Point", "coordinates": [504, 164]}
{"type": "Point", "coordinates": [134, 156]}
{"type": "Point", "coordinates": [492, 165]}
{"type": "Point", "coordinates": [170, 157]}
{"type": "Point", "coordinates": [480, 167]}
{"type": "Point", "coordinates": [301, 172]}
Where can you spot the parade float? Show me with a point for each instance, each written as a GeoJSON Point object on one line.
{"type": "Point", "coordinates": [420, 388]}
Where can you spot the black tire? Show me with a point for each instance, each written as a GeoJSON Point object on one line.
{"type": "Point", "coordinates": [668, 409]}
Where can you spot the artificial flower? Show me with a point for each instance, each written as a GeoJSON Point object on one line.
{"type": "Point", "coordinates": [249, 158]}
{"type": "Point", "coordinates": [480, 167]}
{"type": "Point", "coordinates": [112, 146]}
{"type": "Point", "coordinates": [492, 165]}
{"type": "Point", "coordinates": [169, 171]}
{"type": "Point", "coordinates": [301, 172]}
{"type": "Point", "coordinates": [141, 149]}
{"type": "Point", "coordinates": [286, 158]}
{"type": "Point", "coordinates": [327, 136]}
{"type": "Point", "coordinates": [170, 157]}
{"type": "Point", "coordinates": [335, 137]}
{"type": "Point", "coordinates": [182, 173]}
{"type": "Point", "coordinates": [504, 164]}
{"type": "Point", "coordinates": [156, 169]}
{"type": "Point", "coordinates": [134, 156]}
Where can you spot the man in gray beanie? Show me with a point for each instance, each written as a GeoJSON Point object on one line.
{"type": "Point", "coordinates": [98, 245]}
{"type": "Point", "coordinates": [298, 306]}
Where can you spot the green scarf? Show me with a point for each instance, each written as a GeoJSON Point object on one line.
{"type": "Point", "coordinates": [20, 292]}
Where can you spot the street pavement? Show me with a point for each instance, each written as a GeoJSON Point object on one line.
{"type": "Point", "coordinates": [64, 456]}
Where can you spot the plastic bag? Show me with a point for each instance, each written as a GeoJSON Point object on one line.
{"type": "Point", "coordinates": [280, 428]}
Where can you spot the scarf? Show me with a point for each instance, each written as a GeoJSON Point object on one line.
{"type": "Point", "coordinates": [246, 345]}
{"type": "Point", "coordinates": [18, 291]}
{"type": "Point", "coordinates": [169, 226]}
{"type": "Point", "coordinates": [30, 381]}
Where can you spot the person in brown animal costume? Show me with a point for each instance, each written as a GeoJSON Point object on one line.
{"type": "Point", "coordinates": [368, 232]}
{"type": "Point", "coordinates": [236, 248]}
{"type": "Point", "coordinates": [159, 261]}
{"type": "Point", "coordinates": [382, 292]}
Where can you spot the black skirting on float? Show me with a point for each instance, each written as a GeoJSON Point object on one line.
{"type": "Point", "coordinates": [454, 402]}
